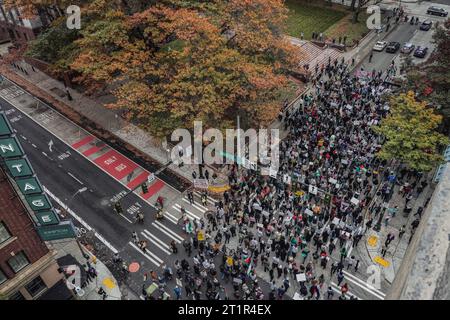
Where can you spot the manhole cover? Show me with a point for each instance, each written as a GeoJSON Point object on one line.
{"type": "Point", "coordinates": [133, 267]}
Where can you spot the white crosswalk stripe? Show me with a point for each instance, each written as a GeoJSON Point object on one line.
{"type": "Point", "coordinates": [200, 205]}
{"type": "Point", "coordinates": [189, 214]}
{"type": "Point", "coordinates": [337, 289]}
{"type": "Point", "coordinates": [177, 207]}
{"type": "Point", "coordinates": [365, 286]}
{"type": "Point", "coordinates": [208, 198]}
{"type": "Point", "coordinates": [196, 206]}
{"type": "Point", "coordinates": [151, 259]}
{"type": "Point", "coordinates": [157, 242]}
{"type": "Point", "coordinates": [170, 217]}
{"type": "Point", "coordinates": [158, 225]}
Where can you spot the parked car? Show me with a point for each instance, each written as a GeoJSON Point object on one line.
{"type": "Point", "coordinates": [426, 25]}
{"type": "Point", "coordinates": [379, 46]}
{"type": "Point", "coordinates": [393, 47]}
{"type": "Point", "coordinates": [420, 52]}
{"type": "Point", "coordinates": [437, 11]}
{"type": "Point", "coordinates": [407, 48]}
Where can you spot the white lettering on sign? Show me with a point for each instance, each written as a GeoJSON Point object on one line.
{"type": "Point", "coordinates": [29, 187]}
{"type": "Point", "coordinates": [46, 218]}
{"type": "Point", "coordinates": [5, 148]}
{"type": "Point", "coordinates": [110, 160]}
{"type": "Point", "coordinates": [38, 203]}
{"type": "Point", "coordinates": [18, 167]}
{"type": "Point", "coordinates": [120, 167]}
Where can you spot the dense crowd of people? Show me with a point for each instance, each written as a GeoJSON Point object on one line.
{"type": "Point", "coordinates": [299, 227]}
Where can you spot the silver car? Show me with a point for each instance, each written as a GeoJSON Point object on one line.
{"type": "Point", "coordinates": [407, 48]}
{"type": "Point", "coordinates": [379, 46]}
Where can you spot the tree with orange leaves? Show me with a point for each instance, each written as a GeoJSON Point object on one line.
{"type": "Point", "coordinates": [173, 62]}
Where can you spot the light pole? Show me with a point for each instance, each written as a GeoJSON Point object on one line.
{"type": "Point", "coordinates": [67, 212]}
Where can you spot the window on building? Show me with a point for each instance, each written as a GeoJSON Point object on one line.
{"type": "Point", "coordinates": [18, 262]}
{"type": "Point", "coordinates": [16, 296]}
{"type": "Point", "coordinates": [36, 286]}
{"type": "Point", "coordinates": [3, 277]}
{"type": "Point", "coordinates": [4, 233]}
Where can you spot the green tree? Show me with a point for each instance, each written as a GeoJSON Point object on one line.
{"type": "Point", "coordinates": [410, 133]}
{"type": "Point", "coordinates": [56, 45]}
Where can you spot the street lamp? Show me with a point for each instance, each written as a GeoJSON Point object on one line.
{"type": "Point", "coordinates": [67, 209]}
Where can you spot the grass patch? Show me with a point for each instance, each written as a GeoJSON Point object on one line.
{"type": "Point", "coordinates": [308, 19]}
{"type": "Point", "coordinates": [345, 27]}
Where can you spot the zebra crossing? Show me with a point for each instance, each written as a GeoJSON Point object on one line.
{"type": "Point", "coordinates": [158, 238]}
{"type": "Point", "coordinates": [194, 211]}
{"type": "Point", "coordinates": [337, 289]}
{"type": "Point", "coordinates": [160, 233]}
{"type": "Point", "coordinates": [364, 285]}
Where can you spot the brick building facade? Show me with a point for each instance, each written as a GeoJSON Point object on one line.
{"type": "Point", "coordinates": [28, 268]}
{"type": "Point", "coordinates": [16, 28]}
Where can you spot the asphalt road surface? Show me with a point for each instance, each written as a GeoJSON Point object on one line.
{"type": "Point", "coordinates": [63, 172]}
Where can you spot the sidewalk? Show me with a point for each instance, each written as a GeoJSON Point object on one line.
{"type": "Point", "coordinates": [54, 92]}
{"type": "Point", "coordinates": [104, 279]}
{"type": "Point", "coordinates": [397, 249]}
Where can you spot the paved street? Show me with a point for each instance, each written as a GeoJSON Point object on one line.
{"type": "Point", "coordinates": [74, 169]}
{"type": "Point", "coordinates": [93, 208]}
{"type": "Point", "coordinates": [289, 240]}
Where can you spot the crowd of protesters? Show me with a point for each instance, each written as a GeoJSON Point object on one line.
{"type": "Point", "coordinates": [298, 227]}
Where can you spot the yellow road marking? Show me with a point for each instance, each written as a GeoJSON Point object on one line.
{"type": "Point", "coordinates": [381, 262]}
{"type": "Point", "coordinates": [109, 283]}
{"type": "Point", "coordinates": [372, 241]}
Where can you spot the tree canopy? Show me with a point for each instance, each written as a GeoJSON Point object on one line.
{"type": "Point", "coordinates": [410, 133]}
{"type": "Point", "coordinates": [175, 61]}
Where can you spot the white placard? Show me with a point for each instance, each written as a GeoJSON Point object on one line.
{"type": "Point", "coordinates": [273, 173]}
{"type": "Point", "coordinates": [287, 179]}
{"type": "Point", "coordinates": [309, 212]}
{"type": "Point", "coordinates": [297, 296]}
{"type": "Point", "coordinates": [201, 183]}
{"type": "Point", "coordinates": [301, 277]}
{"type": "Point", "coordinates": [312, 189]}
{"type": "Point", "coordinates": [344, 161]}
{"type": "Point", "coordinates": [332, 181]}
{"type": "Point", "coordinates": [265, 213]}
{"type": "Point", "coordinates": [179, 283]}
{"type": "Point", "coordinates": [257, 207]}
{"type": "Point", "coordinates": [354, 201]}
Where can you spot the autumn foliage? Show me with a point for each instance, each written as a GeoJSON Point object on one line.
{"type": "Point", "coordinates": [172, 62]}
